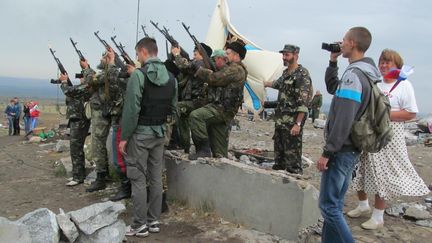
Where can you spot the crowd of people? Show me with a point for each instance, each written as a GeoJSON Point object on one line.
{"type": "Point", "coordinates": [29, 112]}
{"type": "Point", "coordinates": [155, 105]}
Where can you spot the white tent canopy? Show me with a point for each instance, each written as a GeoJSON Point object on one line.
{"type": "Point", "coordinates": [262, 65]}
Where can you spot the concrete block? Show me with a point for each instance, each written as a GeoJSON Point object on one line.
{"type": "Point", "coordinates": [268, 201]}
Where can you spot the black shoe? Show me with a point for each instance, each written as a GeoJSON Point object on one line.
{"type": "Point", "coordinates": [278, 167]}
{"type": "Point", "coordinates": [97, 185]}
{"type": "Point", "coordinates": [124, 192]}
{"type": "Point", "coordinates": [295, 171]}
{"type": "Point", "coordinates": [203, 151]}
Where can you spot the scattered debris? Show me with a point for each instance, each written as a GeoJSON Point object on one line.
{"type": "Point", "coordinates": [62, 146]}
{"type": "Point", "coordinates": [68, 228]}
{"type": "Point", "coordinates": [417, 213]}
{"type": "Point", "coordinates": [42, 225]}
{"type": "Point", "coordinates": [319, 123]}
{"type": "Point", "coordinates": [424, 223]}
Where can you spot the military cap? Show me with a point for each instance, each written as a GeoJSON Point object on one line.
{"type": "Point", "coordinates": [238, 47]}
{"type": "Point", "coordinates": [219, 53]}
{"type": "Point", "coordinates": [290, 48]}
{"type": "Point", "coordinates": [207, 49]}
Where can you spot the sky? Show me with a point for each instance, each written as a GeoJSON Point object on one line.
{"type": "Point", "coordinates": [29, 26]}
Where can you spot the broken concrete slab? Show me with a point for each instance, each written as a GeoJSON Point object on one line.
{"type": "Point", "coordinates": [96, 216]}
{"type": "Point", "coordinates": [42, 225]}
{"type": "Point", "coordinates": [62, 146]}
{"type": "Point", "coordinates": [70, 231]}
{"type": "Point", "coordinates": [113, 233]}
{"type": "Point", "coordinates": [424, 223]}
{"type": "Point", "coordinates": [417, 213]}
{"type": "Point", "coordinates": [247, 195]}
{"type": "Point", "coordinates": [13, 232]}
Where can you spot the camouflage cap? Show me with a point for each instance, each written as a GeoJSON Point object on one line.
{"type": "Point", "coordinates": [219, 53]}
{"type": "Point", "coordinates": [290, 48]}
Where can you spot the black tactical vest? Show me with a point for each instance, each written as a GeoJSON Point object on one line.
{"type": "Point", "coordinates": [156, 101]}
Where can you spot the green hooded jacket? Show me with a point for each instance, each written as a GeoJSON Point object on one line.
{"type": "Point", "coordinates": [158, 75]}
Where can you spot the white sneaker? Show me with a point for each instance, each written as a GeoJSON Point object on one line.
{"type": "Point", "coordinates": [142, 231]}
{"type": "Point", "coordinates": [357, 212]}
{"type": "Point", "coordinates": [154, 227]}
{"type": "Point", "coordinates": [371, 224]}
{"type": "Point", "coordinates": [73, 183]}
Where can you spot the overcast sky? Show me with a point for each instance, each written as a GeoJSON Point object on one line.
{"type": "Point", "coordinates": [28, 26]}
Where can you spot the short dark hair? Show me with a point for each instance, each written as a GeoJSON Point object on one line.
{"type": "Point", "coordinates": [149, 44]}
{"type": "Point", "coordinates": [362, 37]}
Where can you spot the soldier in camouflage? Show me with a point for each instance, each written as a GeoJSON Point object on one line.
{"type": "Point", "coordinates": [79, 126]}
{"type": "Point", "coordinates": [209, 124]}
{"type": "Point", "coordinates": [316, 105]}
{"type": "Point", "coordinates": [193, 91]}
{"type": "Point", "coordinates": [101, 107]}
{"type": "Point", "coordinates": [295, 93]}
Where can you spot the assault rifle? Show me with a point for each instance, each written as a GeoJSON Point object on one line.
{"type": "Point", "coordinates": [122, 51]}
{"type": "Point", "coordinates": [80, 55]}
{"type": "Point", "coordinates": [117, 60]}
{"type": "Point", "coordinates": [206, 59]}
{"type": "Point", "coordinates": [60, 67]}
{"type": "Point", "coordinates": [170, 38]}
{"type": "Point", "coordinates": [144, 31]}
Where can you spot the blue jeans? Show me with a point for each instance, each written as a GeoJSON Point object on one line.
{"type": "Point", "coordinates": [26, 124]}
{"type": "Point", "coordinates": [334, 184]}
{"type": "Point", "coordinates": [11, 125]}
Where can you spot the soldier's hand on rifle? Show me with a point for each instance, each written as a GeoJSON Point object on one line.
{"type": "Point", "coordinates": [175, 50]}
{"type": "Point", "coordinates": [63, 78]}
{"type": "Point", "coordinates": [84, 64]}
{"type": "Point", "coordinates": [130, 68]}
{"type": "Point", "coordinates": [110, 56]}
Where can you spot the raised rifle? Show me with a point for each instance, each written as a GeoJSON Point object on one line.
{"type": "Point", "coordinates": [144, 31]}
{"type": "Point", "coordinates": [117, 60]}
{"type": "Point", "coordinates": [60, 67]}
{"type": "Point", "coordinates": [206, 59]}
{"type": "Point", "coordinates": [170, 38]}
{"type": "Point", "coordinates": [80, 55]}
{"type": "Point", "coordinates": [122, 51]}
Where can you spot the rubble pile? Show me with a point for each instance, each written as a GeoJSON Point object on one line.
{"type": "Point", "coordinates": [412, 211]}
{"type": "Point", "coordinates": [96, 223]}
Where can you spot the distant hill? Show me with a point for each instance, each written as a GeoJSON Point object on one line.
{"type": "Point", "coordinates": [28, 88]}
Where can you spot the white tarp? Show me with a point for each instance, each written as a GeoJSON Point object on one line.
{"type": "Point", "coordinates": [262, 65]}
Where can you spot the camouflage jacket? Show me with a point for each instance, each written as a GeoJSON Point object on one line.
{"type": "Point", "coordinates": [104, 86]}
{"type": "Point", "coordinates": [317, 102]}
{"type": "Point", "coordinates": [75, 97]}
{"type": "Point", "coordinates": [193, 87]}
{"type": "Point", "coordinates": [232, 79]}
{"type": "Point", "coordinates": [295, 93]}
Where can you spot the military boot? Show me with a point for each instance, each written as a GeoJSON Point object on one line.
{"type": "Point", "coordinates": [202, 151]}
{"type": "Point", "coordinates": [124, 191]}
{"type": "Point", "coordinates": [99, 184]}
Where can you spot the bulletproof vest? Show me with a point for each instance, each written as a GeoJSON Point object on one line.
{"type": "Point", "coordinates": [156, 101]}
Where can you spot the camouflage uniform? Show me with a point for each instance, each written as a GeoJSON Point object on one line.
{"type": "Point", "coordinates": [79, 126]}
{"type": "Point", "coordinates": [316, 106]}
{"type": "Point", "coordinates": [209, 124]}
{"type": "Point", "coordinates": [101, 107]}
{"type": "Point", "coordinates": [295, 92]}
{"type": "Point", "coordinates": [192, 97]}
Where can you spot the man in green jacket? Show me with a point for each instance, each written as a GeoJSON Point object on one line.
{"type": "Point", "coordinates": [316, 105]}
{"type": "Point", "coordinates": [150, 100]}
{"type": "Point", "coordinates": [209, 124]}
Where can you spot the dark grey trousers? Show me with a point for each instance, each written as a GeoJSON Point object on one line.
{"type": "Point", "coordinates": [144, 162]}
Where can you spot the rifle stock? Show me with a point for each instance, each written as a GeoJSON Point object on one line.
{"type": "Point", "coordinates": [206, 59]}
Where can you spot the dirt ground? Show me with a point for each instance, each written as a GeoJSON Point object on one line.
{"type": "Point", "coordinates": [28, 182]}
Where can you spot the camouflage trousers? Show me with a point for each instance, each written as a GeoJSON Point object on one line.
{"type": "Point", "coordinates": [184, 108]}
{"type": "Point", "coordinates": [100, 130]}
{"type": "Point", "coordinates": [288, 148]}
{"type": "Point", "coordinates": [78, 132]}
{"type": "Point", "coordinates": [210, 125]}
{"type": "Point", "coordinates": [315, 114]}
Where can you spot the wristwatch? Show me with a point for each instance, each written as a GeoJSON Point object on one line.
{"type": "Point", "coordinates": [298, 124]}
